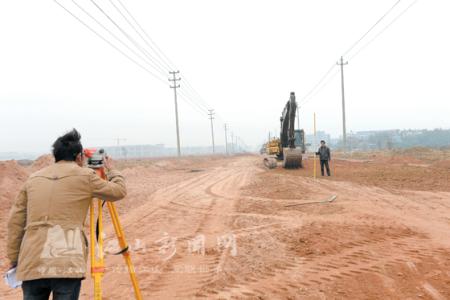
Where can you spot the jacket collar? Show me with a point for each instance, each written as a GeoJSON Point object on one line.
{"type": "Point", "coordinates": [65, 162]}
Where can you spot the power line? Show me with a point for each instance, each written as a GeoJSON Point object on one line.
{"type": "Point", "coordinates": [136, 44]}
{"type": "Point", "coordinates": [195, 97]}
{"type": "Point", "coordinates": [193, 92]}
{"type": "Point", "coordinates": [188, 98]}
{"type": "Point", "coordinates": [188, 91]}
{"type": "Point", "coordinates": [383, 30]}
{"type": "Point", "coordinates": [187, 86]}
{"type": "Point", "coordinates": [169, 62]}
{"type": "Point", "coordinates": [372, 27]}
{"type": "Point", "coordinates": [321, 87]}
{"type": "Point", "coordinates": [317, 84]}
{"type": "Point", "coordinates": [111, 33]}
{"type": "Point", "coordinates": [110, 43]}
{"type": "Point", "coordinates": [161, 63]}
{"type": "Point", "coordinates": [191, 99]}
{"type": "Point", "coordinates": [341, 64]}
{"type": "Point", "coordinates": [315, 89]}
{"type": "Point", "coordinates": [196, 105]}
{"type": "Point", "coordinates": [189, 94]}
{"type": "Point", "coordinates": [191, 103]}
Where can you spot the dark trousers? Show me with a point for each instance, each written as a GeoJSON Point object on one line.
{"type": "Point", "coordinates": [322, 164]}
{"type": "Point", "coordinates": [62, 289]}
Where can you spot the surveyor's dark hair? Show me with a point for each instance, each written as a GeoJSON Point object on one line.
{"type": "Point", "coordinates": [68, 146]}
{"type": "Point", "coordinates": [322, 141]}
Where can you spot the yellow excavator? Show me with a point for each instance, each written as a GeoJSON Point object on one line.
{"type": "Point", "coordinates": [290, 146]}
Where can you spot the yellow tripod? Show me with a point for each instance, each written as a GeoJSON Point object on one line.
{"type": "Point", "coordinates": [97, 259]}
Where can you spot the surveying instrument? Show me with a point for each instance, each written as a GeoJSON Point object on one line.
{"type": "Point", "coordinates": [95, 160]}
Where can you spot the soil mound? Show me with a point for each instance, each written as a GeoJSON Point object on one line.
{"type": "Point", "coordinates": [42, 162]}
{"type": "Point", "coordinates": [12, 176]}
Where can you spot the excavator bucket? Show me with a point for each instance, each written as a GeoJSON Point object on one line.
{"type": "Point", "coordinates": [292, 158]}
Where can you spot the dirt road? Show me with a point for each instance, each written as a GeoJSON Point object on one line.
{"type": "Point", "coordinates": [228, 228]}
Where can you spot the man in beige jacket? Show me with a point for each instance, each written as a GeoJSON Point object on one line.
{"type": "Point", "coordinates": [46, 240]}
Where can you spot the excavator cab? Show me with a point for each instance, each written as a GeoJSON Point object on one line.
{"type": "Point", "coordinates": [300, 139]}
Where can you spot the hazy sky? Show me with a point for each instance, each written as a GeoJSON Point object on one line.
{"type": "Point", "coordinates": [242, 57]}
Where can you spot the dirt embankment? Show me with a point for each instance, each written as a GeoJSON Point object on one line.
{"type": "Point", "coordinates": [390, 170]}
{"type": "Point", "coordinates": [12, 175]}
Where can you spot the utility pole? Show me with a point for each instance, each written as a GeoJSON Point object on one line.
{"type": "Point", "coordinates": [242, 145]}
{"type": "Point", "coordinates": [315, 146]}
{"type": "Point", "coordinates": [211, 118]}
{"type": "Point", "coordinates": [118, 152]}
{"type": "Point", "coordinates": [226, 139]}
{"type": "Point", "coordinates": [119, 140]}
{"type": "Point", "coordinates": [344, 130]}
{"type": "Point", "coordinates": [232, 143]}
{"type": "Point", "coordinates": [174, 87]}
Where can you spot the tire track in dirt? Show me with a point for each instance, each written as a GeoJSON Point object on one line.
{"type": "Point", "coordinates": [359, 257]}
{"type": "Point", "coordinates": [211, 220]}
{"type": "Point", "coordinates": [153, 212]}
{"type": "Point", "coordinates": [162, 196]}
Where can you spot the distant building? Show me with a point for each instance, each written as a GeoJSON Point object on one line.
{"type": "Point", "coordinates": [321, 135]}
{"type": "Point", "coordinates": [389, 139]}
{"type": "Point", "coordinates": [159, 150]}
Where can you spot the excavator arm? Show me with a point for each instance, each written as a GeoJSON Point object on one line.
{"type": "Point", "coordinates": [287, 130]}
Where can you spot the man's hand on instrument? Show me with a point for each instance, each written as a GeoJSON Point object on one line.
{"type": "Point", "coordinates": [108, 163]}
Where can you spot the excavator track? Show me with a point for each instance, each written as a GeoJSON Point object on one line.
{"type": "Point", "coordinates": [270, 162]}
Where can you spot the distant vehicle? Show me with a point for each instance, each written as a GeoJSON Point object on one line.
{"type": "Point", "coordinates": [290, 146]}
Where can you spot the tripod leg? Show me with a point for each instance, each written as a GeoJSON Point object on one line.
{"type": "Point", "coordinates": [124, 246]}
{"type": "Point", "coordinates": [97, 270]}
{"type": "Point", "coordinates": [97, 261]}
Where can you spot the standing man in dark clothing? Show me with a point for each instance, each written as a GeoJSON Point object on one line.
{"type": "Point", "coordinates": [325, 157]}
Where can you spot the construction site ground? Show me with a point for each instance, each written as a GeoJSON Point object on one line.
{"type": "Point", "coordinates": [274, 234]}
